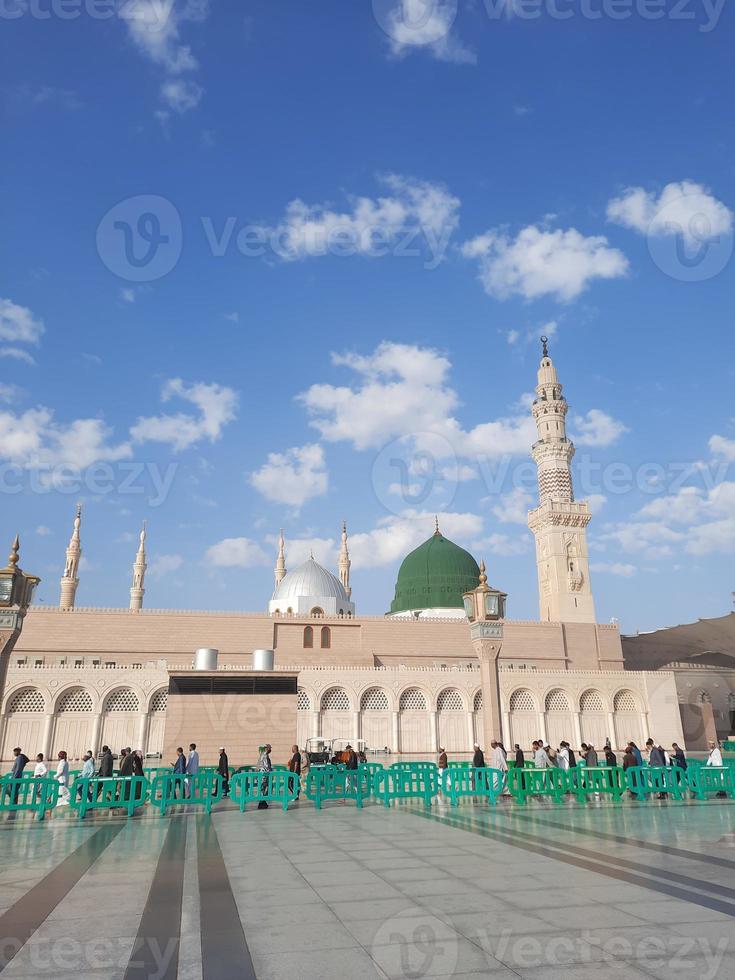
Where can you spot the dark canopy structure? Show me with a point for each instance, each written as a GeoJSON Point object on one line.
{"type": "Point", "coordinates": [709, 642]}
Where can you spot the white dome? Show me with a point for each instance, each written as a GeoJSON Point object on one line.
{"type": "Point", "coordinates": [311, 581]}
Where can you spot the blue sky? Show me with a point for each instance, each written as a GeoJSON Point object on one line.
{"type": "Point", "coordinates": [274, 265]}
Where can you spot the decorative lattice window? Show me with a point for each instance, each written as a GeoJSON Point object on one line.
{"type": "Point", "coordinates": [591, 701]}
{"type": "Point", "coordinates": [336, 699]}
{"type": "Point", "coordinates": [557, 701]}
{"type": "Point", "coordinates": [477, 703]}
{"type": "Point", "coordinates": [159, 702]}
{"type": "Point", "coordinates": [450, 700]}
{"type": "Point", "coordinates": [412, 700]}
{"type": "Point", "coordinates": [122, 700]}
{"type": "Point", "coordinates": [303, 703]}
{"type": "Point", "coordinates": [374, 700]}
{"type": "Point", "coordinates": [29, 699]}
{"type": "Point", "coordinates": [625, 701]}
{"type": "Point", "coordinates": [704, 697]}
{"type": "Point", "coordinates": [317, 611]}
{"type": "Point", "coordinates": [76, 700]}
{"type": "Point", "coordinates": [522, 701]}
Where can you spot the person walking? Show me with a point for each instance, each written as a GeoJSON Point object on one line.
{"type": "Point", "coordinates": [179, 768]}
{"type": "Point", "coordinates": [610, 758]}
{"type": "Point", "coordinates": [562, 757]}
{"type": "Point", "coordinates": [637, 753]}
{"type": "Point", "coordinates": [715, 755]}
{"type": "Point", "coordinates": [62, 778]}
{"type": "Point", "coordinates": [498, 761]}
{"type": "Point", "coordinates": [629, 759]}
{"type": "Point", "coordinates": [351, 765]}
{"type": "Point", "coordinates": [656, 756]}
{"type": "Point", "coordinates": [86, 773]}
{"type": "Point", "coordinates": [678, 758]}
{"type": "Point", "coordinates": [192, 768]}
{"type": "Point", "coordinates": [139, 771]}
{"type": "Point", "coordinates": [107, 764]}
{"type": "Point", "coordinates": [540, 758]}
{"type": "Point", "coordinates": [265, 766]}
{"type": "Point", "coordinates": [294, 766]}
{"type": "Point", "coordinates": [443, 780]}
{"type": "Point", "coordinates": [478, 759]}
{"type": "Point", "coordinates": [126, 772]}
{"type": "Point", "coordinates": [572, 756]}
{"type": "Point", "coordinates": [41, 770]}
{"type": "Point", "coordinates": [20, 761]}
{"type": "Point", "coordinates": [520, 756]}
{"type": "Point", "coordinates": [223, 768]}
{"type": "Point", "coordinates": [591, 756]}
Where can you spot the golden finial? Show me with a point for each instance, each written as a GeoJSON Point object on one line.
{"type": "Point", "coordinates": [483, 576]}
{"type": "Point", "coordinates": [436, 524]}
{"type": "Point", "coordinates": [13, 556]}
{"type": "Point", "coordinates": [545, 346]}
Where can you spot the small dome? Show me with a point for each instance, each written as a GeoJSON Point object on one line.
{"type": "Point", "coordinates": [310, 579]}
{"type": "Point", "coordinates": [435, 576]}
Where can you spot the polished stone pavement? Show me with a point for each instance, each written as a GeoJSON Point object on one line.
{"type": "Point", "coordinates": [540, 892]}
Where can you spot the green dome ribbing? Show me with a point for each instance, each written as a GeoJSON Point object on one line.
{"type": "Point", "coordinates": [435, 576]}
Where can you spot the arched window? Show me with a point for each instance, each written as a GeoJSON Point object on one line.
{"type": "Point", "coordinates": [303, 702]}
{"type": "Point", "coordinates": [335, 699]}
{"type": "Point", "coordinates": [317, 611]}
{"type": "Point", "coordinates": [412, 700]}
{"type": "Point", "coordinates": [308, 637]}
{"type": "Point", "coordinates": [625, 701]}
{"type": "Point", "coordinates": [29, 699]}
{"type": "Point", "coordinates": [591, 701]}
{"type": "Point", "coordinates": [522, 700]}
{"type": "Point", "coordinates": [477, 703]}
{"type": "Point", "coordinates": [75, 700]}
{"type": "Point", "coordinates": [159, 702]}
{"type": "Point", "coordinates": [326, 638]}
{"type": "Point", "coordinates": [122, 700]}
{"type": "Point", "coordinates": [557, 701]}
{"type": "Point", "coordinates": [450, 700]}
{"type": "Point", "coordinates": [374, 699]}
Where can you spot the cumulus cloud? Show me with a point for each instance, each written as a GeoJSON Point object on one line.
{"type": "Point", "coordinates": [622, 569]}
{"type": "Point", "coordinates": [503, 545]}
{"type": "Point", "coordinates": [217, 406]}
{"type": "Point", "coordinates": [411, 210]}
{"type": "Point", "coordinates": [236, 553]}
{"type": "Point", "coordinates": [34, 440]}
{"type": "Point", "coordinates": [299, 549]}
{"type": "Point", "coordinates": [164, 565]}
{"type": "Point", "coordinates": [513, 508]}
{"type": "Point", "coordinates": [723, 448]}
{"type": "Point", "coordinates": [543, 262]}
{"type": "Point", "coordinates": [414, 25]}
{"type": "Point", "coordinates": [597, 428]}
{"type": "Point", "coordinates": [686, 208]}
{"type": "Point", "coordinates": [18, 325]}
{"type": "Point", "coordinates": [18, 354]}
{"type": "Point", "coordinates": [293, 477]}
{"type": "Point", "coordinates": [393, 537]}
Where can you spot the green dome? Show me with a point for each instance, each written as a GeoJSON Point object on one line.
{"type": "Point", "coordinates": [435, 575]}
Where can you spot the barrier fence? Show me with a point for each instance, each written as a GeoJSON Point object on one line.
{"type": "Point", "coordinates": [278, 786]}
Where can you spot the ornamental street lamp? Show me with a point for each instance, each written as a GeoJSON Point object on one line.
{"type": "Point", "coordinates": [16, 595]}
{"type": "Point", "coordinates": [485, 609]}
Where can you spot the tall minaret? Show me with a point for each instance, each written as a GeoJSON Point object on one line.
{"type": "Point", "coordinates": [559, 523]}
{"type": "Point", "coordinates": [344, 562]}
{"type": "Point", "coordinates": [280, 569]}
{"type": "Point", "coordinates": [70, 579]}
{"type": "Point", "coordinates": [137, 590]}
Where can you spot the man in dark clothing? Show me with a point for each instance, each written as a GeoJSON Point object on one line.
{"type": "Point", "coordinates": [223, 768]}
{"type": "Point", "coordinates": [679, 757]}
{"type": "Point", "coordinates": [106, 763]}
{"type": "Point", "coordinates": [572, 756]}
{"type": "Point", "coordinates": [294, 766]}
{"type": "Point", "coordinates": [126, 770]}
{"type": "Point", "coordinates": [19, 764]}
{"type": "Point", "coordinates": [478, 759]}
{"type": "Point", "coordinates": [179, 771]}
{"type": "Point", "coordinates": [657, 756]}
{"type": "Point", "coordinates": [520, 757]}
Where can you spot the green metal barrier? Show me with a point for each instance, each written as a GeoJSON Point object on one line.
{"type": "Point", "coordinates": [176, 789]}
{"type": "Point", "coordinates": [457, 764]}
{"type": "Point", "coordinates": [711, 779]}
{"type": "Point", "coordinates": [330, 783]}
{"type": "Point", "coordinates": [279, 786]}
{"type": "Point", "coordinates": [414, 766]}
{"type": "Point", "coordinates": [28, 793]}
{"type": "Point", "coordinates": [400, 783]}
{"type": "Point", "coordinates": [523, 783]}
{"type": "Point", "coordinates": [643, 781]}
{"type": "Point", "coordinates": [108, 793]}
{"type": "Point", "coordinates": [369, 769]}
{"type": "Point", "coordinates": [585, 780]}
{"type": "Point", "coordinates": [460, 783]}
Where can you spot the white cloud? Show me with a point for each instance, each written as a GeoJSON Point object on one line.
{"type": "Point", "coordinates": [17, 354]}
{"type": "Point", "coordinates": [217, 406]}
{"type": "Point", "coordinates": [687, 209]}
{"type": "Point", "coordinates": [395, 536]}
{"type": "Point", "coordinates": [543, 262]}
{"type": "Point", "coordinates": [654, 539]}
{"type": "Point", "coordinates": [513, 336]}
{"type": "Point", "coordinates": [34, 440]}
{"type": "Point", "coordinates": [155, 28]}
{"type": "Point", "coordinates": [414, 25]}
{"type": "Point", "coordinates": [514, 507]}
{"type": "Point", "coordinates": [596, 502]}
{"type": "Point", "coordinates": [42, 531]}
{"type": "Point", "coordinates": [127, 295]}
{"type": "Point", "coordinates": [371, 225]}
{"type": "Point", "coordinates": [723, 447]}
{"type": "Point", "coordinates": [597, 428]}
{"type": "Point", "coordinates": [402, 392]}
{"type": "Point", "coordinates": [9, 393]}
{"type": "Point", "coordinates": [293, 477]}
{"type": "Point", "coordinates": [299, 549]}
{"type": "Point", "coordinates": [164, 565]}
{"type": "Point", "coordinates": [236, 553]}
{"type": "Point", "coordinates": [503, 545]}
{"type": "Point", "coordinates": [18, 325]}
{"type": "Point", "coordinates": [621, 569]}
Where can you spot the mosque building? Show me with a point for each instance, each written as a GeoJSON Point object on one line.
{"type": "Point", "coordinates": [410, 680]}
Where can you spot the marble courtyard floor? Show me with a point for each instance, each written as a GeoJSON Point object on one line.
{"type": "Point", "coordinates": [539, 892]}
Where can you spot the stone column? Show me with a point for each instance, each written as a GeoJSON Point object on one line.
{"type": "Point", "coordinates": [487, 639]}
{"type": "Point", "coordinates": [96, 731]}
{"type": "Point", "coordinates": [542, 727]}
{"type": "Point", "coordinates": [395, 747]}
{"type": "Point", "coordinates": [48, 733]}
{"type": "Point", "coordinates": [142, 731]}
{"type": "Point", "coordinates": [3, 722]}
{"type": "Point", "coordinates": [471, 730]}
{"type": "Point", "coordinates": [507, 737]}
{"type": "Point", "coordinates": [315, 724]}
{"type": "Point", "coordinates": [577, 729]}
{"type": "Point", "coordinates": [355, 727]}
{"type": "Point", "coordinates": [611, 729]}
{"type": "Point", "coordinates": [646, 729]}
{"type": "Point", "coordinates": [433, 732]}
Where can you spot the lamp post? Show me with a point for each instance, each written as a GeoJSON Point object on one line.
{"type": "Point", "coordinates": [16, 595]}
{"type": "Point", "coordinates": [485, 609]}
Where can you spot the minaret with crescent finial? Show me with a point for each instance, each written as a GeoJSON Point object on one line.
{"type": "Point", "coordinates": [559, 523]}
{"type": "Point", "coordinates": [344, 562]}
{"type": "Point", "coordinates": [137, 589]}
{"type": "Point", "coordinates": [280, 569]}
{"type": "Point", "coordinates": [70, 578]}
